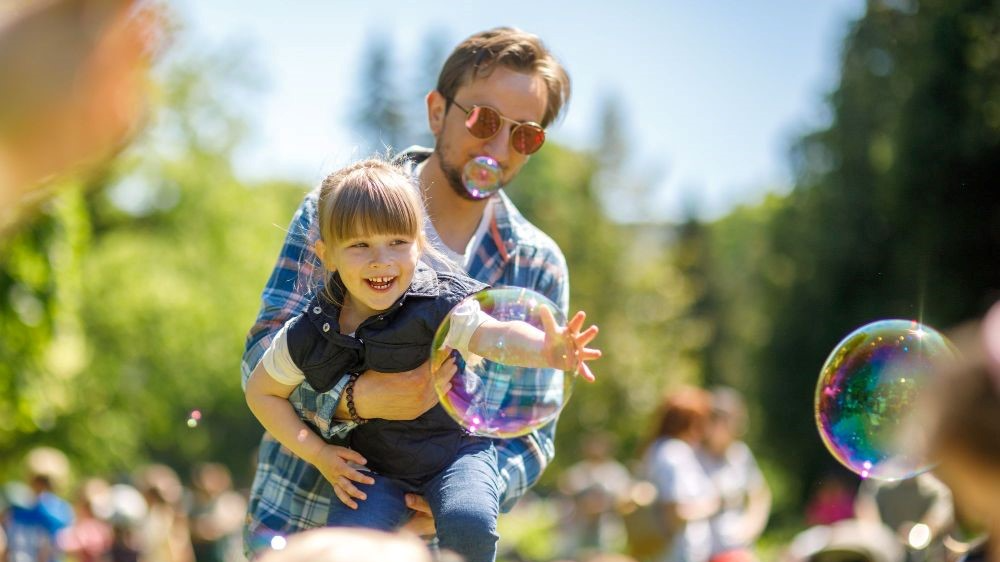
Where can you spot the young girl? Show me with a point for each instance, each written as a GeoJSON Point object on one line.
{"type": "Point", "coordinates": [379, 310]}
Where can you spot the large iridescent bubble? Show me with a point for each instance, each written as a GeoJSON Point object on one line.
{"type": "Point", "coordinates": [869, 396]}
{"type": "Point", "coordinates": [493, 399]}
{"type": "Point", "coordinates": [481, 177]}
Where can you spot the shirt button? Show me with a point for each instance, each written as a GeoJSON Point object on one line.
{"type": "Point", "coordinates": [326, 327]}
{"type": "Point", "coordinates": [317, 310]}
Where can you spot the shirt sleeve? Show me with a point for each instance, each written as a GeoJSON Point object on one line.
{"type": "Point", "coordinates": [296, 275]}
{"type": "Point", "coordinates": [278, 361]}
{"type": "Point", "coordinates": [465, 319]}
{"type": "Point", "coordinates": [523, 460]}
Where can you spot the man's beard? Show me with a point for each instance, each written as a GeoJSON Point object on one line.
{"type": "Point", "coordinates": [454, 177]}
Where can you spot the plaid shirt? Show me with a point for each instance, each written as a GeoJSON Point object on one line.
{"type": "Point", "coordinates": [289, 494]}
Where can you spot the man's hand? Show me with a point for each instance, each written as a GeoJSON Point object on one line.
{"type": "Point", "coordinates": [332, 462]}
{"type": "Point", "coordinates": [422, 522]}
{"type": "Point", "coordinates": [399, 396]}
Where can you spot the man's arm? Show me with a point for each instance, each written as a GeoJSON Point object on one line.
{"type": "Point", "coordinates": [286, 294]}
{"type": "Point", "coordinates": [296, 274]}
{"type": "Point", "coordinates": [523, 460]}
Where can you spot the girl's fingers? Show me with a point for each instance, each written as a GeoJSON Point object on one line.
{"type": "Point", "coordinates": [351, 455]}
{"type": "Point", "coordinates": [586, 373]}
{"type": "Point", "coordinates": [586, 336]}
{"type": "Point", "coordinates": [350, 489]}
{"type": "Point", "coordinates": [344, 498]}
{"type": "Point", "coordinates": [548, 321]}
{"type": "Point", "coordinates": [576, 322]}
{"type": "Point", "coordinates": [358, 476]}
{"type": "Point", "coordinates": [589, 354]}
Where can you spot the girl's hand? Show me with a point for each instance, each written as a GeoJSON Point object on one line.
{"type": "Point", "coordinates": [566, 347]}
{"type": "Point", "coordinates": [332, 462]}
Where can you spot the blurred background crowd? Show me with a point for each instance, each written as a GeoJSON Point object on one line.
{"type": "Point", "coordinates": [694, 490]}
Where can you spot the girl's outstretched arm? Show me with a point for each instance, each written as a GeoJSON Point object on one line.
{"type": "Point", "coordinates": [521, 344]}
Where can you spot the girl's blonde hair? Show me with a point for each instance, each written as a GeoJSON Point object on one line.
{"type": "Point", "coordinates": [370, 197]}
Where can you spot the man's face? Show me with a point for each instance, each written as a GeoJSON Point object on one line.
{"type": "Point", "coordinates": [518, 96]}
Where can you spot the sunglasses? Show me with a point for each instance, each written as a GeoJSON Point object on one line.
{"type": "Point", "coordinates": [484, 122]}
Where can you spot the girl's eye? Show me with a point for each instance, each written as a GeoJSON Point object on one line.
{"type": "Point", "coordinates": [398, 242]}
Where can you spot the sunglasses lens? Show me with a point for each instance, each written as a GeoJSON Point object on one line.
{"type": "Point", "coordinates": [483, 122]}
{"type": "Point", "coordinates": [527, 139]}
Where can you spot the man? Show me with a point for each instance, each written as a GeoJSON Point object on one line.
{"type": "Point", "coordinates": [495, 94]}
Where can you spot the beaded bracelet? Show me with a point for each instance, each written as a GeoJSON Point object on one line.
{"type": "Point", "coordinates": [349, 390]}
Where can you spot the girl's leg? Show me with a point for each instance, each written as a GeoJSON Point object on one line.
{"type": "Point", "coordinates": [465, 500]}
{"type": "Point", "coordinates": [385, 509]}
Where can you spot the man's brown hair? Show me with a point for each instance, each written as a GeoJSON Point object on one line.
{"type": "Point", "coordinates": [480, 54]}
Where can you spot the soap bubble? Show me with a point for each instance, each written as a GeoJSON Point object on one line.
{"type": "Point", "coordinates": [481, 177]}
{"type": "Point", "coordinates": [490, 398]}
{"type": "Point", "coordinates": [868, 393]}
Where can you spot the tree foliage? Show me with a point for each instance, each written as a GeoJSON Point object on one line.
{"type": "Point", "coordinates": [894, 215]}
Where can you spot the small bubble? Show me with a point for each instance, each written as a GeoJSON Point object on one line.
{"type": "Point", "coordinates": [278, 542]}
{"type": "Point", "coordinates": [192, 423]}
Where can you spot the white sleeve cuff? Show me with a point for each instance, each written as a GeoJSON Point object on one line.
{"type": "Point", "coordinates": [278, 362]}
{"type": "Point", "coordinates": [465, 320]}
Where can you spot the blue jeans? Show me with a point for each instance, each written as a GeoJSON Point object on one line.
{"type": "Point", "coordinates": [464, 498]}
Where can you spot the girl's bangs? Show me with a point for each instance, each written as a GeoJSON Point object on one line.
{"type": "Point", "coordinates": [366, 212]}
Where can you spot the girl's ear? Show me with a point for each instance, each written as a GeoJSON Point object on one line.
{"type": "Point", "coordinates": [320, 249]}
{"type": "Point", "coordinates": [435, 112]}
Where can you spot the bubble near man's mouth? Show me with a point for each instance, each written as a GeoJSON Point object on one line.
{"type": "Point", "coordinates": [481, 177]}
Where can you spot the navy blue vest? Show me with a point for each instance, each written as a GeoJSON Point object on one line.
{"type": "Point", "coordinates": [396, 340]}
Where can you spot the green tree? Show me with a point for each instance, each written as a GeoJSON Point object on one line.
{"type": "Point", "coordinates": [378, 113]}
{"type": "Point", "coordinates": [894, 212]}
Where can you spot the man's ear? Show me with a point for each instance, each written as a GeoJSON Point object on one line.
{"type": "Point", "coordinates": [436, 105]}
{"type": "Point", "coordinates": [320, 249]}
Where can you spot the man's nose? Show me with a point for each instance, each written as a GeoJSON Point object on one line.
{"type": "Point", "coordinates": [499, 146]}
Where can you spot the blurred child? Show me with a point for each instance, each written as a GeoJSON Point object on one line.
{"type": "Point", "coordinates": [89, 538]}
{"type": "Point", "coordinates": [966, 442]}
{"type": "Point", "coordinates": [33, 522]}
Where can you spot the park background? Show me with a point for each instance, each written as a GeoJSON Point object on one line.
{"type": "Point", "coordinates": [125, 303]}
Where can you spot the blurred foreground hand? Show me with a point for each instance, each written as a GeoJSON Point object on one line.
{"type": "Point", "coordinates": [73, 77]}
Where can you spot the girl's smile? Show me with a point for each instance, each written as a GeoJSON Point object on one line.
{"type": "Point", "coordinates": [376, 269]}
{"type": "Point", "coordinates": [380, 284]}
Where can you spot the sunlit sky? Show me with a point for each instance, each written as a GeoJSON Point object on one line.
{"type": "Point", "coordinates": [713, 92]}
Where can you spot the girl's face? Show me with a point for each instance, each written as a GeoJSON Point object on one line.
{"type": "Point", "coordinates": [376, 269]}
